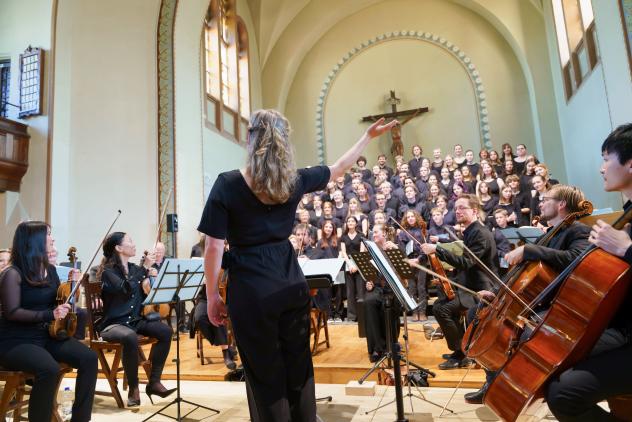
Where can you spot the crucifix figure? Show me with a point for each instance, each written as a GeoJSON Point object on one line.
{"type": "Point", "coordinates": [396, 132]}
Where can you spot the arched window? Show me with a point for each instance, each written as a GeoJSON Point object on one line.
{"type": "Point", "coordinates": [227, 70]}
{"type": "Point", "coordinates": [576, 41]}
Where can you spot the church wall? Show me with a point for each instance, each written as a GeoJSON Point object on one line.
{"type": "Point", "coordinates": [24, 23]}
{"type": "Point", "coordinates": [601, 103]}
{"type": "Point", "coordinates": [201, 153]}
{"type": "Point", "coordinates": [105, 132]}
{"type": "Point", "coordinates": [399, 65]}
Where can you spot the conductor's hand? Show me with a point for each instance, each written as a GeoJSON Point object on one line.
{"type": "Point", "coordinates": [516, 256]}
{"type": "Point", "coordinates": [61, 311]}
{"type": "Point", "coordinates": [378, 128]}
{"type": "Point", "coordinates": [216, 309]}
{"type": "Point", "coordinates": [611, 240]}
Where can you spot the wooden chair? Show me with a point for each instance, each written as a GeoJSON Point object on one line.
{"type": "Point", "coordinates": [95, 314]}
{"type": "Point", "coordinates": [14, 397]}
{"type": "Point", "coordinates": [318, 321]}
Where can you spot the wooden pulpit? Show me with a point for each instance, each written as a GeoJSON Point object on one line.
{"type": "Point", "coordinates": [14, 154]}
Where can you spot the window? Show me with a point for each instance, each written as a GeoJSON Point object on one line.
{"type": "Point", "coordinates": [5, 81]}
{"type": "Point", "coordinates": [576, 40]}
{"type": "Point", "coordinates": [226, 61]}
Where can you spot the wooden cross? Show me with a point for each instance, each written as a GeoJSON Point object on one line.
{"type": "Point", "coordinates": [396, 132]}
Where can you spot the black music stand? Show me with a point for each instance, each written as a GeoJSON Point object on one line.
{"type": "Point", "coordinates": [391, 265]}
{"type": "Point", "coordinates": [178, 280]}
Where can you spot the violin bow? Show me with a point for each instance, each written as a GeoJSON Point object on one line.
{"type": "Point", "coordinates": [74, 289]}
{"type": "Point", "coordinates": [490, 272]}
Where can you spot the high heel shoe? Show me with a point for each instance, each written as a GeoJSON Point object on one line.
{"type": "Point", "coordinates": [159, 390]}
{"type": "Point", "coordinates": [133, 397]}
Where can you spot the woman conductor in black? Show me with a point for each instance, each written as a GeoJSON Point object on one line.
{"type": "Point", "coordinates": [268, 299]}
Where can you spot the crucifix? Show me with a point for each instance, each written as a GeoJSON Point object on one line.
{"type": "Point", "coordinates": [396, 132]}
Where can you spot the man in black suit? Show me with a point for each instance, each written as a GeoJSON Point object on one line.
{"type": "Point", "coordinates": [481, 242]}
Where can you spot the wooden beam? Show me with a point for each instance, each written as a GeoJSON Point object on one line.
{"type": "Point", "coordinates": [395, 114]}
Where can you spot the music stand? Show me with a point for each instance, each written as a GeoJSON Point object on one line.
{"type": "Point", "coordinates": [392, 265]}
{"type": "Point", "coordinates": [178, 280]}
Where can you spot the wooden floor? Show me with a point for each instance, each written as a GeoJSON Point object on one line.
{"type": "Point", "coordinates": [345, 360]}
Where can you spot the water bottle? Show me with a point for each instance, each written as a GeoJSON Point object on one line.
{"type": "Point", "coordinates": [67, 397]}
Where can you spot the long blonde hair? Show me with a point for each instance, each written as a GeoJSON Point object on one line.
{"type": "Point", "coordinates": [270, 159]}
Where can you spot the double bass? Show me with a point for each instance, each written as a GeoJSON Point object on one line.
{"type": "Point", "coordinates": [496, 329]}
{"type": "Point", "coordinates": [576, 308]}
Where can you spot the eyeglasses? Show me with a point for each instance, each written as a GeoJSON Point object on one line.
{"type": "Point", "coordinates": [462, 208]}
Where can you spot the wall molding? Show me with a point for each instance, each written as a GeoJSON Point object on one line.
{"type": "Point", "coordinates": [437, 40]}
{"type": "Point", "coordinates": [166, 116]}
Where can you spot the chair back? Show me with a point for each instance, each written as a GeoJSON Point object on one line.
{"type": "Point", "coordinates": [94, 304]}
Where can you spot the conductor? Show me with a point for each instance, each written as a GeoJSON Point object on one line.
{"type": "Point", "coordinates": [267, 296]}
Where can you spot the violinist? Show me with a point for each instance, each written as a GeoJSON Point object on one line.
{"type": "Point", "coordinates": [125, 286]}
{"type": "Point", "coordinates": [374, 305]}
{"type": "Point", "coordinates": [481, 242]}
{"type": "Point", "coordinates": [82, 314]}
{"type": "Point", "coordinates": [561, 250]}
{"type": "Point", "coordinates": [28, 291]}
{"type": "Point", "coordinates": [573, 395]}
{"type": "Point", "coordinates": [414, 224]}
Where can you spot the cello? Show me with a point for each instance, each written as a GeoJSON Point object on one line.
{"type": "Point", "coordinates": [586, 296]}
{"type": "Point", "coordinates": [496, 329]}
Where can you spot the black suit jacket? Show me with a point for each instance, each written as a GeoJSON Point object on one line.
{"type": "Point", "coordinates": [562, 249]}
{"type": "Point", "coordinates": [481, 242]}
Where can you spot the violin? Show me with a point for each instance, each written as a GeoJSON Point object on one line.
{"type": "Point", "coordinates": [163, 309]}
{"type": "Point", "coordinates": [67, 292]}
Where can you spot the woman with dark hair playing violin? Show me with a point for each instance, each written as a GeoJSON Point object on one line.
{"type": "Point", "coordinates": [28, 291]}
{"type": "Point", "coordinates": [125, 286]}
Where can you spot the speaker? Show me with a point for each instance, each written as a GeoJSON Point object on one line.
{"type": "Point", "coordinates": [172, 223]}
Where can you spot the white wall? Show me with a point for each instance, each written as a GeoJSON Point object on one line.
{"type": "Point", "coordinates": [24, 23]}
{"type": "Point", "coordinates": [601, 103]}
{"type": "Point", "coordinates": [105, 131]}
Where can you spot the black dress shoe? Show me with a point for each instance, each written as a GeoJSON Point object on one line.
{"type": "Point", "coordinates": [476, 397]}
{"type": "Point", "coordinates": [454, 363]}
{"type": "Point", "coordinates": [447, 356]}
{"type": "Point", "coordinates": [374, 357]}
{"type": "Point", "coordinates": [228, 360]}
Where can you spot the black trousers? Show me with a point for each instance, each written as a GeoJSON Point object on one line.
{"type": "Point", "coordinates": [574, 394]}
{"type": "Point", "coordinates": [375, 317]}
{"type": "Point", "coordinates": [448, 315]}
{"type": "Point", "coordinates": [217, 336]}
{"type": "Point", "coordinates": [269, 304]}
{"type": "Point", "coordinates": [129, 339]}
{"type": "Point", "coordinates": [418, 291]}
{"type": "Point", "coordinates": [41, 357]}
{"type": "Point", "coordinates": [355, 292]}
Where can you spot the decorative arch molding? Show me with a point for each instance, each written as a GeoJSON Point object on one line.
{"type": "Point", "coordinates": [437, 40]}
{"type": "Point", "coordinates": [166, 116]}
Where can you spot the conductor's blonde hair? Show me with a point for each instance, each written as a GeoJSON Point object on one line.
{"type": "Point", "coordinates": [270, 159]}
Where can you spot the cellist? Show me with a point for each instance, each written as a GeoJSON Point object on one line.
{"type": "Point", "coordinates": [561, 250]}
{"type": "Point", "coordinates": [481, 241]}
{"type": "Point", "coordinates": [573, 395]}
